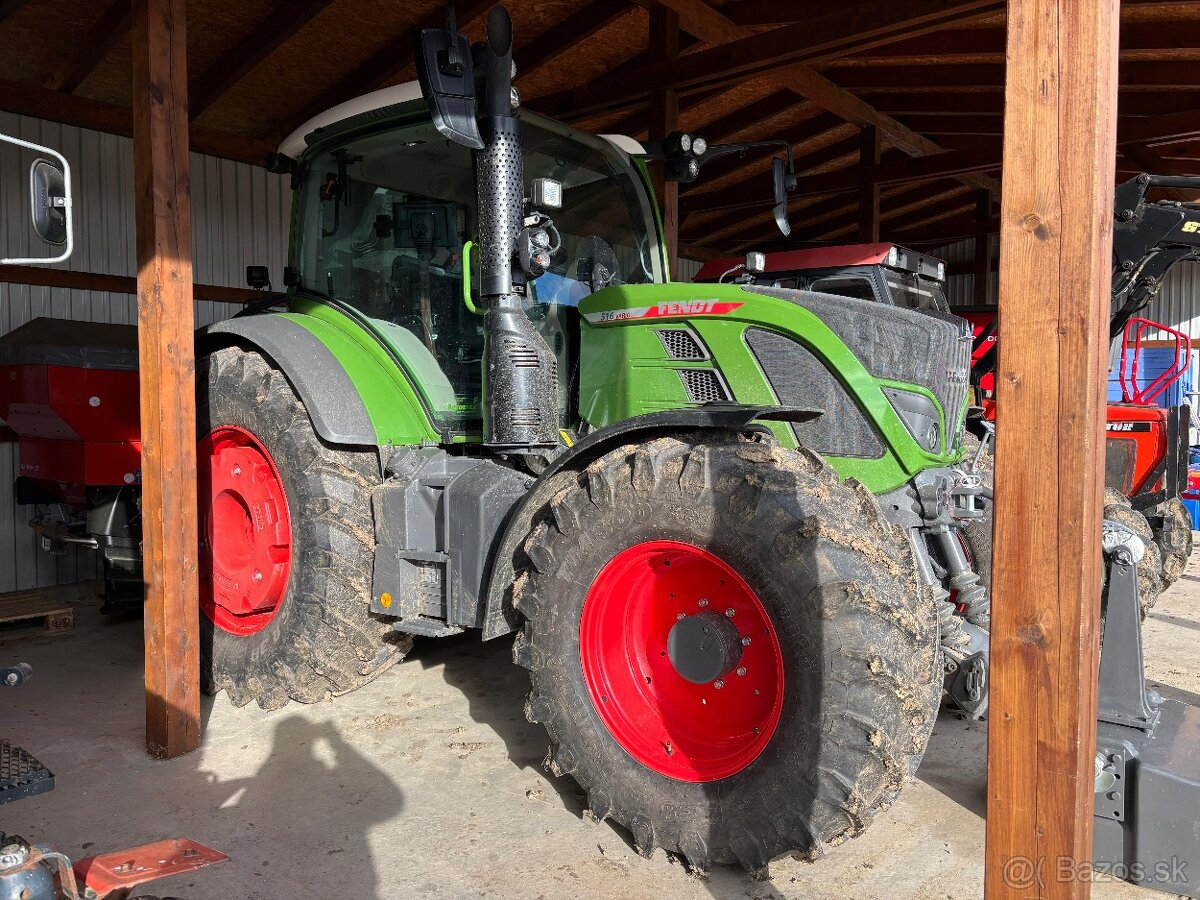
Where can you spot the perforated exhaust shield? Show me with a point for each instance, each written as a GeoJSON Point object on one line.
{"type": "Point", "coordinates": [520, 376]}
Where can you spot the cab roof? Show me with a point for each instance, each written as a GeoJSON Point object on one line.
{"type": "Point", "coordinates": [813, 258]}
{"type": "Point", "coordinates": [296, 142]}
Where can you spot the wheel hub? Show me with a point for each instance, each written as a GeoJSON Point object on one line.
{"type": "Point", "coordinates": [704, 647]}
{"type": "Point", "coordinates": [681, 661]}
{"type": "Point", "coordinates": [245, 531]}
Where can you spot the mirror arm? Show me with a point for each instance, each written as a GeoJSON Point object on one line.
{"type": "Point", "coordinates": [66, 203]}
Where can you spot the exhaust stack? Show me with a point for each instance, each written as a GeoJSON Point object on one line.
{"type": "Point", "coordinates": [520, 378]}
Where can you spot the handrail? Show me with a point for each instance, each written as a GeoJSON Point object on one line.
{"type": "Point", "coordinates": [1135, 328]}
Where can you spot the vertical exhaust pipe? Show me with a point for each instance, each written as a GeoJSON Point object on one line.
{"type": "Point", "coordinates": [520, 381]}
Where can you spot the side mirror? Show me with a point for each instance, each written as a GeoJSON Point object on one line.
{"type": "Point", "coordinates": [446, 73]}
{"type": "Point", "coordinates": [784, 179]}
{"type": "Point", "coordinates": [258, 278]}
{"type": "Point", "coordinates": [49, 202]}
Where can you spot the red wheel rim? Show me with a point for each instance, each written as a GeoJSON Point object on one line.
{"type": "Point", "coordinates": [679, 728]}
{"type": "Point", "coordinates": [245, 531]}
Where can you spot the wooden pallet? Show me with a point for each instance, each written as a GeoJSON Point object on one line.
{"type": "Point", "coordinates": [19, 605]}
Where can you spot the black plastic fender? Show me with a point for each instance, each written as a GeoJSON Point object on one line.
{"type": "Point", "coordinates": [499, 615]}
{"type": "Point", "coordinates": [333, 403]}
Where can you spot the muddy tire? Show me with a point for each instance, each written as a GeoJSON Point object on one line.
{"type": "Point", "coordinates": [790, 556]}
{"type": "Point", "coordinates": [1150, 584]}
{"type": "Point", "coordinates": [977, 533]}
{"type": "Point", "coordinates": [319, 639]}
{"type": "Point", "coordinates": [1174, 540]}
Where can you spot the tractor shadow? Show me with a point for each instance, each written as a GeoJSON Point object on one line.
{"type": "Point", "coordinates": [495, 688]}
{"type": "Point", "coordinates": [955, 763]}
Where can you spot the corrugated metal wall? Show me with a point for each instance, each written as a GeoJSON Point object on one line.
{"type": "Point", "coordinates": [687, 269]}
{"type": "Point", "coordinates": [1177, 305]}
{"type": "Point", "coordinates": [239, 217]}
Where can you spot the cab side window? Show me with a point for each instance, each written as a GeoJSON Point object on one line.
{"type": "Point", "coordinates": [846, 286]}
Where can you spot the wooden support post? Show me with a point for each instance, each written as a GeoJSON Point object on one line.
{"type": "Point", "coordinates": [981, 271]}
{"type": "Point", "coordinates": [1055, 258]}
{"type": "Point", "coordinates": [664, 118]}
{"type": "Point", "coordinates": [165, 326]}
{"type": "Point", "coordinates": [869, 155]}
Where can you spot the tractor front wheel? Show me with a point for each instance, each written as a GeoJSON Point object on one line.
{"type": "Point", "coordinates": [286, 544]}
{"type": "Point", "coordinates": [1117, 508]}
{"type": "Point", "coordinates": [1174, 539]}
{"type": "Point", "coordinates": [730, 649]}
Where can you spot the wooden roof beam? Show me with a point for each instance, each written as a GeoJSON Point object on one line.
{"type": "Point", "coordinates": [567, 34]}
{"type": "Point", "coordinates": [8, 7]}
{"type": "Point", "coordinates": [712, 26]}
{"type": "Point", "coordinates": [38, 102]}
{"type": "Point", "coordinates": [844, 150]}
{"type": "Point", "coordinates": [740, 54]}
{"type": "Point", "coordinates": [891, 171]}
{"type": "Point", "coordinates": [271, 33]}
{"type": "Point", "coordinates": [384, 66]}
{"type": "Point", "coordinates": [805, 132]}
{"type": "Point", "coordinates": [840, 212]}
{"type": "Point", "coordinates": [96, 44]}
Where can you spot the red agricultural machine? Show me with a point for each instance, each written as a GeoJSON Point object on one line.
{"type": "Point", "coordinates": [70, 391]}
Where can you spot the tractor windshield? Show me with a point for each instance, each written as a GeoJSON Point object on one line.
{"type": "Point", "coordinates": [916, 291]}
{"type": "Point", "coordinates": [382, 220]}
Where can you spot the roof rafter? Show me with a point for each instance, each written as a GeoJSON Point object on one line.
{"type": "Point", "coordinates": [385, 65]}
{"type": "Point", "coordinates": [568, 33]}
{"type": "Point", "coordinates": [740, 54]}
{"type": "Point", "coordinates": [271, 33]}
{"type": "Point", "coordinates": [93, 47]}
{"type": "Point", "coordinates": [711, 26]}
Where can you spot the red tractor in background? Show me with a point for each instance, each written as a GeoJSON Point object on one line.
{"type": "Point", "coordinates": [1146, 464]}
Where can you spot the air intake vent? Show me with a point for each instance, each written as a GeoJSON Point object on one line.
{"type": "Point", "coordinates": [703, 385]}
{"type": "Point", "coordinates": [680, 343]}
{"type": "Point", "coordinates": [522, 355]}
{"type": "Point", "coordinates": [526, 417]}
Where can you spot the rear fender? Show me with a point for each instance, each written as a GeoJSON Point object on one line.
{"type": "Point", "coordinates": [351, 398]}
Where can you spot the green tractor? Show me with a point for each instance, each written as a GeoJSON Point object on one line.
{"type": "Point", "coordinates": [715, 516]}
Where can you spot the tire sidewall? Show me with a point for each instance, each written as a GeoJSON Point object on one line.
{"type": "Point", "coordinates": [759, 541]}
{"type": "Point", "coordinates": [278, 422]}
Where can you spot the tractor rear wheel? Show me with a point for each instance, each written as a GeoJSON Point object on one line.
{"type": "Point", "coordinates": [730, 649]}
{"type": "Point", "coordinates": [287, 543]}
{"type": "Point", "coordinates": [1117, 508]}
{"type": "Point", "coordinates": [1174, 539]}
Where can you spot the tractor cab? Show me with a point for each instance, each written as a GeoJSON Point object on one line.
{"type": "Point", "coordinates": [384, 219]}
{"type": "Point", "coordinates": [884, 273]}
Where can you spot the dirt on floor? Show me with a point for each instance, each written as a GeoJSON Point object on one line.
{"type": "Point", "coordinates": [429, 782]}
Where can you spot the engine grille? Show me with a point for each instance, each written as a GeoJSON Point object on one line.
{"type": "Point", "coordinates": [680, 343]}
{"type": "Point", "coordinates": [799, 378]}
{"type": "Point", "coordinates": [915, 346]}
{"type": "Point", "coordinates": [703, 385]}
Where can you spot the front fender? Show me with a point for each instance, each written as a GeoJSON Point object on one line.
{"type": "Point", "coordinates": [500, 617]}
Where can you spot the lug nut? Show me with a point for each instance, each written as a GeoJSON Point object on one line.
{"type": "Point", "coordinates": [257, 575]}
{"type": "Point", "coordinates": [237, 470]}
{"type": "Point", "coordinates": [746, 642]}
{"type": "Point", "coordinates": [704, 601]}
{"type": "Point", "coordinates": [730, 612]}
{"type": "Point", "coordinates": [681, 616]}
{"type": "Point", "coordinates": [718, 684]}
{"type": "Point", "coordinates": [741, 670]}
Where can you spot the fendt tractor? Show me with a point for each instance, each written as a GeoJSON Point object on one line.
{"type": "Point", "coordinates": [720, 519]}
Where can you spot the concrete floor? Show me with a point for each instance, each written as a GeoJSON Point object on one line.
{"type": "Point", "coordinates": [429, 783]}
